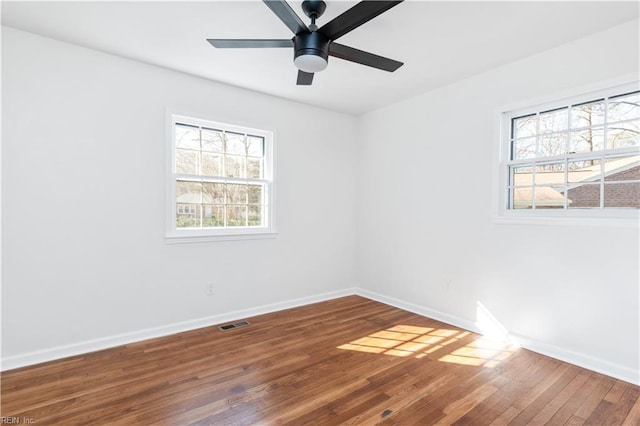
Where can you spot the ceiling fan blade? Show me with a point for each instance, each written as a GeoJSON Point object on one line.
{"type": "Point", "coordinates": [234, 43]}
{"type": "Point", "coordinates": [304, 78]}
{"type": "Point", "coordinates": [354, 17]}
{"type": "Point", "coordinates": [361, 57]}
{"type": "Point", "coordinates": [287, 15]}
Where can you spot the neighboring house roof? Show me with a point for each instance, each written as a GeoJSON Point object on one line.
{"type": "Point", "coordinates": [546, 196]}
{"type": "Point", "coordinates": [189, 198]}
{"type": "Point", "coordinates": [195, 198]}
{"type": "Point", "coordinates": [611, 167]}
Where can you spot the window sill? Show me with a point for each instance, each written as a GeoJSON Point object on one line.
{"type": "Point", "coordinates": [211, 238]}
{"type": "Point", "coordinates": [620, 222]}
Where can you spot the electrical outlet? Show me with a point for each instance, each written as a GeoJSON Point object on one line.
{"type": "Point", "coordinates": [210, 290]}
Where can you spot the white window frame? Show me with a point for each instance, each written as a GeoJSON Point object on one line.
{"type": "Point", "coordinates": [596, 216]}
{"type": "Point", "coordinates": [173, 234]}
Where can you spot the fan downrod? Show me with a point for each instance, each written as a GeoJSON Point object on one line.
{"type": "Point", "coordinates": [313, 8]}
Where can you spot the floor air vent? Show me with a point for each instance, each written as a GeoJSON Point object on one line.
{"type": "Point", "coordinates": [233, 325]}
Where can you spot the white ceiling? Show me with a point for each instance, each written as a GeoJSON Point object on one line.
{"type": "Point", "coordinates": [439, 42]}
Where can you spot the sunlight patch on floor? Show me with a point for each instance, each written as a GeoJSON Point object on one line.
{"type": "Point", "coordinates": [481, 352]}
{"type": "Point", "coordinates": [419, 342]}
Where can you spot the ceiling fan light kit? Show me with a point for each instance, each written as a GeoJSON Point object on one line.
{"type": "Point", "coordinates": [312, 46]}
{"type": "Point", "coordinates": [311, 52]}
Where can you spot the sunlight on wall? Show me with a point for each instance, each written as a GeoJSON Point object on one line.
{"type": "Point", "coordinates": [489, 326]}
{"type": "Point", "coordinates": [446, 345]}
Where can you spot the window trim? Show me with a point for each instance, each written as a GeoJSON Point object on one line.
{"type": "Point", "coordinates": [174, 235]}
{"type": "Point", "coordinates": [501, 214]}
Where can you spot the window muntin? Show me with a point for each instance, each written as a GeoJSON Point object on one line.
{"type": "Point", "coordinates": [221, 180]}
{"type": "Point", "coordinates": [576, 156]}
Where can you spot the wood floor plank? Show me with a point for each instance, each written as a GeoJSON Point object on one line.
{"type": "Point", "coordinates": [596, 395]}
{"type": "Point", "coordinates": [535, 371]}
{"type": "Point", "coordinates": [463, 405]}
{"type": "Point", "coordinates": [517, 373]}
{"type": "Point", "coordinates": [616, 405]}
{"type": "Point", "coordinates": [348, 361]}
{"type": "Point", "coordinates": [544, 392]}
{"type": "Point", "coordinates": [575, 385]}
{"type": "Point", "coordinates": [633, 418]}
{"type": "Point", "coordinates": [569, 408]}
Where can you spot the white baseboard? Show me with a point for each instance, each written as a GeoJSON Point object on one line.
{"type": "Point", "coordinates": [581, 360]}
{"type": "Point", "coordinates": [50, 354]}
{"type": "Point", "coordinates": [601, 366]}
{"type": "Point", "coordinates": [418, 309]}
{"type": "Point", "coordinates": [585, 361]}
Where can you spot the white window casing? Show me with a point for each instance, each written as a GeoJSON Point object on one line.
{"type": "Point", "coordinates": [219, 181]}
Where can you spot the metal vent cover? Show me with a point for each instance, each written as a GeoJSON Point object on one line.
{"type": "Point", "coordinates": [233, 325]}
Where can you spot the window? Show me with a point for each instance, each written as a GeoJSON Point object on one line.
{"type": "Point", "coordinates": [221, 180]}
{"type": "Point", "coordinates": [576, 157]}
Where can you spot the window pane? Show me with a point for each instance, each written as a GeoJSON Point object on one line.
{"type": "Point", "coordinates": [212, 140]}
{"type": "Point", "coordinates": [523, 148]}
{"type": "Point", "coordinates": [188, 192]}
{"type": "Point", "coordinates": [524, 126]}
{"type": "Point", "coordinates": [190, 218]}
{"type": "Point", "coordinates": [188, 198]}
{"type": "Point", "coordinates": [254, 193]}
{"type": "Point", "coordinates": [255, 146]}
{"type": "Point", "coordinates": [587, 140]}
{"type": "Point", "coordinates": [547, 197]}
{"type": "Point", "coordinates": [237, 215]}
{"type": "Point", "coordinates": [187, 162]}
{"type": "Point", "coordinates": [622, 168]}
{"type": "Point", "coordinates": [234, 166]}
{"type": "Point", "coordinates": [623, 135]}
{"type": "Point", "coordinates": [235, 144]}
{"type": "Point", "coordinates": [584, 196]}
{"type": "Point", "coordinates": [625, 107]}
{"type": "Point", "coordinates": [587, 115]}
{"type": "Point", "coordinates": [584, 170]}
{"type": "Point", "coordinates": [236, 194]}
{"type": "Point", "coordinates": [550, 145]}
{"type": "Point", "coordinates": [255, 215]}
{"type": "Point", "coordinates": [254, 168]}
{"type": "Point", "coordinates": [521, 176]}
{"type": "Point", "coordinates": [522, 198]}
{"type": "Point", "coordinates": [554, 121]}
{"type": "Point", "coordinates": [550, 174]}
{"type": "Point", "coordinates": [625, 194]}
{"type": "Point", "coordinates": [212, 215]}
{"type": "Point", "coordinates": [187, 137]}
{"type": "Point", "coordinates": [213, 193]}
{"type": "Point", "coordinates": [211, 164]}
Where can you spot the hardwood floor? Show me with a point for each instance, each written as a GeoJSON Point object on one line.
{"type": "Point", "coordinates": [348, 361]}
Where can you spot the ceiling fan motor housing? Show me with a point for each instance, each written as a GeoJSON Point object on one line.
{"type": "Point", "coordinates": [311, 46]}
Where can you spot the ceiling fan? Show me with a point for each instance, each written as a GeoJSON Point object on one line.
{"type": "Point", "coordinates": [312, 45]}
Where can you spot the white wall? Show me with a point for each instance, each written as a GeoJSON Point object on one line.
{"type": "Point", "coordinates": [83, 141]}
{"type": "Point", "coordinates": [82, 187]}
{"type": "Point", "coordinates": [425, 201]}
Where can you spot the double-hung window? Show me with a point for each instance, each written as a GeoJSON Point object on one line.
{"type": "Point", "coordinates": [578, 157]}
{"type": "Point", "coordinates": [221, 181]}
